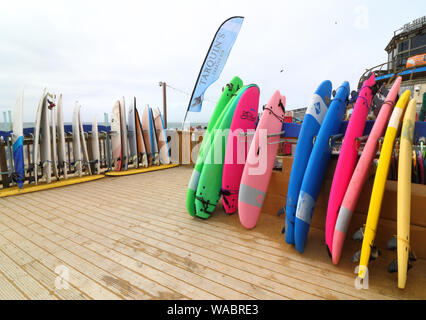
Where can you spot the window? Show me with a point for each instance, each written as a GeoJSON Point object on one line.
{"type": "Point", "coordinates": [417, 51]}
{"type": "Point", "coordinates": [403, 46]}
{"type": "Point", "coordinates": [418, 41]}
{"type": "Point", "coordinates": [401, 60]}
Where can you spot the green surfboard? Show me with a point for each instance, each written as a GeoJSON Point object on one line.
{"type": "Point", "coordinates": [210, 182]}
{"type": "Point", "coordinates": [216, 118]}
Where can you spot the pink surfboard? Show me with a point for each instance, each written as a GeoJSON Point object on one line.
{"type": "Point", "coordinates": [347, 158]}
{"type": "Point", "coordinates": [361, 172]}
{"type": "Point", "coordinates": [260, 162]}
{"type": "Point", "coordinates": [244, 120]}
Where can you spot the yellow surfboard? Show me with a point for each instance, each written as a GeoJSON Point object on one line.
{"type": "Point", "coordinates": [404, 192]}
{"type": "Point", "coordinates": [380, 183]}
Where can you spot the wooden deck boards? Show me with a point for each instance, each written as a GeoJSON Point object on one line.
{"type": "Point", "coordinates": [131, 238]}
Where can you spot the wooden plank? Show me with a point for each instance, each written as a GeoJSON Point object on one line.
{"type": "Point", "coordinates": [213, 247]}
{"type": "Point", "coordinates": [74, 262]}
{"type": "Point", "coordinates": [38, 271]}
{"type": "Point", "coordinates": [27, 284]}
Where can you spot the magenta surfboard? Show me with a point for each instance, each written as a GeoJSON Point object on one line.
{"type": "Point", "coordinates": [361, 172]}
{"type": "Point", "coordinates": [244, 120]}
{"type": "Point", "coordinates": [260, 161]}
{"type": "Point", "coordinates": [348, 157]}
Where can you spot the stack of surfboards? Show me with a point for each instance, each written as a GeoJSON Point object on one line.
{"type": "Point", "coordinates": [235, 160]}
{"type": "Point", "coordinates": [319, 129]}
{"type": "Point", "coordinates": [140, 142]}
{"type": "Point", "coordinates": [49, 155]}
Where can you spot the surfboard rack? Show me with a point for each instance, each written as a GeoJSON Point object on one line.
{"type": "Point", "coordinates": [277, 142]}
{"type": "Point", "coordinates": [251, 133]}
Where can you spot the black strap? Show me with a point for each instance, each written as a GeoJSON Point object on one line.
{"type": "Point", "coordinates": [280, 104]}
{"type": "Point", "coordinates": [226, 193]}
{"type": "Point", "coordinates": [205, 203]}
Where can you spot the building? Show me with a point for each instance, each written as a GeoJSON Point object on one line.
{"type": "Point", "coordinates": [407, 42]}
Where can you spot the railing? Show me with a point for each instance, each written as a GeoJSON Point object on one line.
{"type": "Point", "coordinates": [7, 165]}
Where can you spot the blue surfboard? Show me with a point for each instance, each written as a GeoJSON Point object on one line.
{"type": "Point", "coordinates": [317, 165]}
{"type": "Point", "coordinates": [18, 141]}
{"type": "Point", "coordinates": [18, 160]}
{"type": "Point", "coordinates": [311, 124]}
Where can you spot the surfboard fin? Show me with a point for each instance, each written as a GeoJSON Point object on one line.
{"type": "Point", "coordinates": [356, 256]}
{"type": "Point", "coordinates": [281, 212]}
{"type": "Point", "coordinates": [393, 266]}
{"type": "Point", "coordinates": [392, 244]}
{"type": "Point", "coordinates": [375, 253]}
{"type": "Point", "coordinates": [359, 234]}
{"type": "Point", "coordinates": [412, 256]}
{"type": "Point", "coordinates": [328, 251]}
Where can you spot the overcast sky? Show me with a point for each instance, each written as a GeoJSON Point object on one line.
{"type": "Point", "coordinates": [97, 51]}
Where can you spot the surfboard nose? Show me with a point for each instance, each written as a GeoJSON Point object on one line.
{"type": "Point", "coordinates": [248, 221]}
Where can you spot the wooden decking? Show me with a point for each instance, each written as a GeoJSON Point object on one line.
{"type": "Point", "coordinates": [131, 238]}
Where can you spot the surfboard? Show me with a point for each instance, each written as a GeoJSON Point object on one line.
{"type": "Point", "coordinates": [62, 163]}
{"type": "Point", "coordinates": [361, 172]}
{"type": "Point", "coordinates": [161, 137]}
{"type": "Point", "coordinates": [228, 93]}
{"type": "Point", "coordinates": [116, 136]}
{"type": "Point", "coordinates": [36, 151]}
{"type": "Point", "coordinates": [54, 150]}
{"type": "Point", "coordinates": [18, 140]}
{"type": "Point", "coordinates": [76, 142]}
{"type": "Point", "coordinates": [348, 157]}
{"type": "Point", "coordinates": [142, 153]}
{"type": "Point", "coordinates": [45, 146]}
{"type": "Point", "coordinates": [154, 141]}
{"type": "Point", "coordinates": [146, 129]}
{"type": "Point", "coordinates": [133, 146]}
{"type": "Point", "coordinates": [404, 192]}
{"type": "Point", "coordinates": [208, 189]}
{"type": "Point", "coordinates": [260, 161]}
{"type": "Point", "coordinates": [237, 147]}
{"type": "Point", "coordinates": [380, 182]}
{"type": "Point", "coordinates": [86, 159]}
{"type": "Point", "coordinates": [317, 165]}
{"type": "Point", "coordinates": [95, 146]}
{"type": "Point", "coordinates": [124, 137]}
{"type": "Point", "coordinates": [311, 124]}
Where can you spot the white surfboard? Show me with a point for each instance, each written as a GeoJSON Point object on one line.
{"type": "Point", "coordinates": [36, 150]}
{"type": "Point", "coordinates": [62, 163]}
{"type": "Point", "coordinates": [76, 144]}
{"type": "Point", "coordinates": [45, 147]}
{"type": "Point", "coordinates": [124, 138]}
{"type": "Point", "coordinates": [133, 157]}
{"type": "Point", "coordinates": [116, 136]}
{"type": "Point", "coordinates": [54, 151]}
{"type": "Point", "coordinates": [95, 146]}
{"type": "Point", "coordinates": [161, 136]}
{"type": "Point", "coordinates": [84, 146]}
